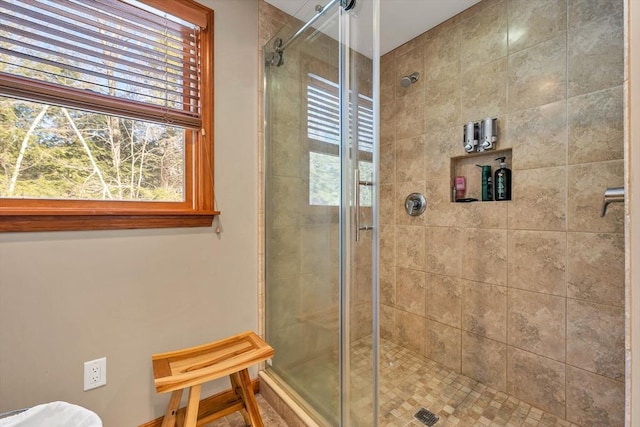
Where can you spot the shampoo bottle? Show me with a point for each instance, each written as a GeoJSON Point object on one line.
{"type": "Point", "coordinates": [487, 187]}
{"type": "Point", "coordinates": [503, 181]}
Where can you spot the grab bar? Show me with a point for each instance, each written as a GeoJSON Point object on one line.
{"type": "Point", "coordinates": [612, 195]}
{"type": "Point", "coordinates": [358, 182]}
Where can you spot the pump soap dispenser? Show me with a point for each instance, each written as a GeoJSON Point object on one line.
{"type": "Point", "coordinates": [502, 181]}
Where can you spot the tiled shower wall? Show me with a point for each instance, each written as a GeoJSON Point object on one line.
{"type": "Point", "coordinates": [525, 295]}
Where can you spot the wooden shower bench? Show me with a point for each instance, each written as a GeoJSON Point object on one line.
{"type": "Point", "coordinates": [191, 367]}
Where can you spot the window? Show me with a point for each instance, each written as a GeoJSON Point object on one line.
{"type": "Point", "coordinates": [323, 132]}
{"type": "Point", "coordinates": [106, 113]}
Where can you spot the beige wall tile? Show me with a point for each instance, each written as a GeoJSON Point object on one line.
{"type": "Point", "coordinates": [539, 199]}
{"type": "Point", "coordinates": [443, 344]}
{"type": "Point", "coordinates": [585, 188]}
{"type": "Point", "coordinates": [442, 52]}
{"type": "Point", "coordinates": [595, 270]}
{"type": "Point", "coordinates": [486, 214]}
{"type": "Point", "coordinates": [442, 103]}
{"type": "Point", "coordinates": [582, 12]}
{"type": "Point", "coordinates": [363, 292]}
{"type": "Point", "coordinates": [410, 247]}
{"type": "Point", "coordinates": [538, 75]}
{"type": "Point", "coordinates": [388, 323]}
{"type": "Point", "coordinates": [387, 244]}
{"type": "Point", "coordinates": [284, 252]}
{"type": "Point", "coordinates": [361, 321]}
{"type": "Point", "coordinates": [409, 331]}
{"type": "Point", "coordinates": [535, 21]}
{"type": "Point", "coordinates": [440, 210]}
{"type": "Point", "coordinates": [387, 71]}
{"type": "Point", "coordinates": [318, 293]}
{"type": "Point", "coordinates": [286, 108]}
{"type": "Point", "coordinates": [596, 126]}
{"type": "Point", "coordinates": [595, 338]}
{"type": "Point", "coordinates": [443, 250]}
{"type": "Point", "coordinates": [387, 115]}
{"type": "Point", "coordinates": [444, 299]}
{"type": "Point", "coordinates": [484, 258]}
{"type": "Point", "coordinates": [538, 261]}
{"type": "Point", "coordinates": [593, 400]}
{"type": "Point", "coordinates": [595, 56]}
{"type": "Point", "coordinates": [285, 297]}
{"type": "Point", "coordinates": [484, 360]}
{"type": "Point", "coordinates": [440, 146]}
{"type": "Point", "coordinates": [410, 159]}
{"type": "Point", "coordinates": [387, 204]}
{"type": "Point", "coordinates": [315, 245]}
{"type": "Point", "coordinates": [484, 310]}
{"type": "Point", "coordinates": [538, 136]}
{"type": "Point", "coordinates": [484, 91]}
{"type": "Point", "coordinates": [409, 118]}
{"type": "Point", "coordinates": [387, 171]}
{"type": "Point", "coordinates": [387, 273]}
{"type": "Point", "coordinates": [537, 380]}
{"type": "Point", "coordinates": [284, 203]}
{"type": "Point", "coordinates": [537, 323]}
{"type": "Point", "coordinates": [484, 35]}
{"type": "Point", "coordinates": [410, 290]}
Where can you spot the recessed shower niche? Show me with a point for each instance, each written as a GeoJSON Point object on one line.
{"type": "Point", "coordinates": [470, 167]}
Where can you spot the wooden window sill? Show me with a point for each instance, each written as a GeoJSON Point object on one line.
{"type": "Point", "coordinates": [20, 223]}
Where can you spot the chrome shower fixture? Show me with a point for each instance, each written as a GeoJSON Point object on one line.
{"type": "Point", "coordinates": [480, 135]}
{"type": "Point", "coordinates": [471, 135]}
{"type": "Point", "coordinates": [407, 81]}
{"type": "Point", "coordinates": [489, 132]}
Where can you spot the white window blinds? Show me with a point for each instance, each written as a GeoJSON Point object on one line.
{"type": "Point", "coordinates": [323, 114]}
{"type": "Point", "coordinates": [106, 56]}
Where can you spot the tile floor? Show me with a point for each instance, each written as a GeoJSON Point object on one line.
{"type": "Point", "coordinates": [409, 382]}
{"type": "Point", "coordinates": [269, 417]}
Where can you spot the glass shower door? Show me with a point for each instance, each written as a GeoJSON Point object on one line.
{"type": "Point", "coordinates": [319, 282]}
{"type": "Point", "coordinates": [359, 208]}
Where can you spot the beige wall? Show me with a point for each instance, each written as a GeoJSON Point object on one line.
{"type": "Point", "coordinates": [68, 297]}
{"type": "Point", "coordinates": [527, 295]}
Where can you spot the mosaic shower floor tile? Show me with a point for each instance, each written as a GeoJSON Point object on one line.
{"type": "Point", "coordinates": [409, 382]}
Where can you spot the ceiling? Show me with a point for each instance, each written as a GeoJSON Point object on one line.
{"type": "Point", "coordinates": [400, 20]}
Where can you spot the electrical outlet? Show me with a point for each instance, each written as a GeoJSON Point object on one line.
{"type": "Point", "coordinates": [95, 373]}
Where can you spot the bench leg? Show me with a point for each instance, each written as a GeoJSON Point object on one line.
{"type": "Point", "coordinates": [249, 399]}
{"type": "Point", "coordinates": [191, 416]}
{"type": "Point", "coordinates": [169, 419]}
{"type": "Point", "coordinates": [237, 389]}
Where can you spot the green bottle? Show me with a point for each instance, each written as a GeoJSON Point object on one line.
{"type": "Point", "coordinates": [487, 186]}
{"type": "Point", "coordinates": [503, 180]}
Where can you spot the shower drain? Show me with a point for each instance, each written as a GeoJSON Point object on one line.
{"type": "Point", "coordinates": [426, 417]}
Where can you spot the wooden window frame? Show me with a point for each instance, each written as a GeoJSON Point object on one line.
{"type": "Point", "coordinates": [198, 208]}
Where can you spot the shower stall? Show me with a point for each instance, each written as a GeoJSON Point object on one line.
{"type": "Point", "coordinates": [320, 229]}
{"type": "Point", "coordinates": [501, 313]}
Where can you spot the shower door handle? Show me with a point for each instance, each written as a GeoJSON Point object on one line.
{"type": "Point", "coordinates": [358, 183]}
